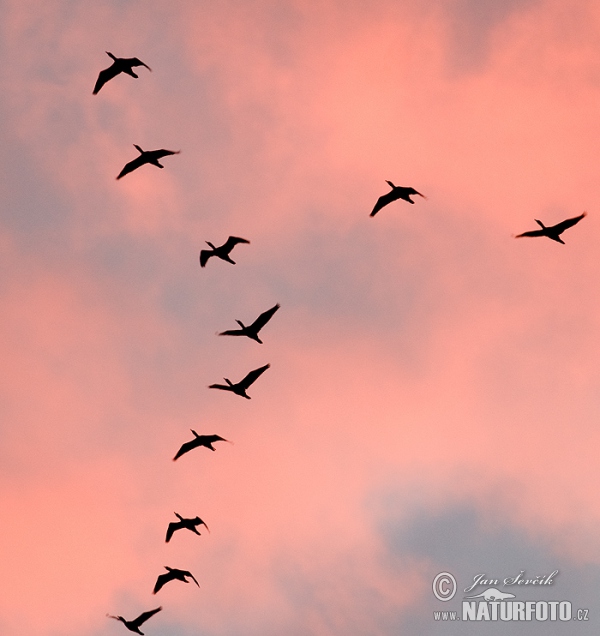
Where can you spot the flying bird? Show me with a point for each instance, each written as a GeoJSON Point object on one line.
{"type": "Point", "coordinates": [119, 65]}
{"type": "Point", "coordinates": [146, 156]}
{"type": "Point", "coordinates": [190, 524]}
{"type": "Point", "coordinates": [199, 440]}
{"type": "Point", "coordinates": [397, 192]}
{"type": "Point", "coordinates": [554, 231]}
{"type": "Point", "coordinates": [173, 574]}
{"type": "Point", "coordinates": [252, 330]}
{"type": "Point", "coordinates": [134, 625]}
{"type": "Point", "coordinates": [222, 251]}
{"type": "Point", "coordinates": [242, 385]}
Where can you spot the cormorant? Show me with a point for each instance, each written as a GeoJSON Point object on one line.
{"type": "Point", "coordinates": [252, 330]}
{"type": "Point", "coordinates": [242, 385]}
{"type": "Point", "coordinates": [199, 440]}
{"type": "Point", "coordinates": [146, 156]}
{"type": "Point", "coordinates": [397, 192]}
{"type": "Point", "coordinates": [119, 65]}
{"type": "Point", "coordinates": [222, 251]}
{"type": "Point", "coordinates": [134, 625]}
{"type": "Point", "coordinates": [172, 575]}
{"type": "Point", "coordinates": [190, 524]}
{"type": "Point", "coordinates": [554, 231]}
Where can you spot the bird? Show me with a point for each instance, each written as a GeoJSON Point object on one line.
{"type": "Point", "coordinates": [146, 156]}
{"type": "Point", "coordinates": [199, 440]}
{"type": "Point", "coordinates": [134, 625]}
{"type": "Point", "coordinates": [397, 192]}
{"type": "Point", "coordinates": [190, 524]}
{"type": "Point", "coordinates": [222, 251]}
{"type": "Point", "coordinates": [252, 330]}
{"type": "Point", "coordinates": [554, 231]}
{"type": "Point", "coordinates": [119, 65]}
{"type": "Point", "coordinates": [173, 574]}
{"type": "Point", "coordinates": [242, 385]}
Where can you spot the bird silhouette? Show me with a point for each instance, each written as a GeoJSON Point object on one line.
{"type": "Point", "coordinates": [242, 385]}
{"type": "Point", "coordinates": [397, 192]}
{"type": "Point", "coordinates": [173, 574]}
{"type": "Point", "coordinates": [222, 251]}
{"type": "Point", "coordinates": [252, 330]}
{"type": "Point", "coordinates": [190, 524]}
{"type": "Point", "coordinates": [134, 625]}
{"type": "Point", "coordinates": [146, 156]}
{"type": "Point", "coordinates": [119, 65]}
{"type": "Point", "coordinates": [199, 440]}
{"type": "Point", "coordinates": [554, 231]}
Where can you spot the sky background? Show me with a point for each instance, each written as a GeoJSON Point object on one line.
{"type": "Point", "coordinates": [433, 398]}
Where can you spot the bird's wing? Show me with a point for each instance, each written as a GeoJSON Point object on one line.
{"type": "Point", "coordinates": [413, 191]}
{"type": "Point", "coordinates": [264, 318]}
{"type": "Point", "coordinates": [132, 165]}
{"type": "Point", "coordinates": [211, 439]}
{"type": "Point", "coordinates": [203, 524]}
{"type": "Point", "coordinates": [174, 525]}
{"type": "Point", "coordinates": [188, 446]}
{"type": "Point", "coordinates": [384, 200]}
{"type": "Point", "coordinates": [142, 618]}
{"type": "Point", "coordinates": [135, 61]}
{"type": "Point", "coordinates": [104, 76]}
{"type": "Point", "coordinates": [232, 332]}
{"type": "Point", "coordinates": [532, 233]}
{"type": "Point", "coordinates": [165, 153]}
{"type": "Point", "coordinates": [162, 580]}
{"type": "Point", "coordinates": [204, 256]}
{"type": "Point", "coordinates": [567, 223]}
{"type": "Point", "coordinates": [192, 577]}
{"type": "Point", "coordinates": [253, 376]}
{"type": "Point", "coordinates": [232, 241]}
{"type": "Point", "coordinates": [223, 387]}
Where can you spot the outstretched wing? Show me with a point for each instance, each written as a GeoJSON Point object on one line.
{"type": "Point", "coordinates": [104, 76]}
{"type": "Point", "coordinates": [232, 332]}
{"type": "Point", "coordinates": [201, 523]}
{"type": "Point", "coordinates": [253, 376]}
{"type": "Point", "coordinates": [223, 387]}
{"type": "Point", "coordinates": [410, 191]}
{"type": "Point", "coordinates": [532, 233]}
{"type": "Point", "coordinates": [392, 195]}
{"type": "Point", "coordinates": [132, 165]}
{"type": "Point", "coordinates": [165, 153]}
{"type": "Point", "coordinates": [134, 61]}
{"type": "Point", "coordinates": [264, 318]}
{"type": "Point", "coordinates": [162, 580]}
{"type": "Point", "coordinates": [204, 256]}
{"type": "Point", "coordinates": [173, 526]}
{"type": "Point", "coordinates": [567, 223]}
{"type": "Point", "coordinates": [232, 241]}
{"type": "Point", "coordinates": [142, 618]}
{"type": "Point", "coordinates": [192, 577]}
{"type": "Point", "coordinates": [211, 439]}
{"type": "Point", "coordinates": [188, 446]}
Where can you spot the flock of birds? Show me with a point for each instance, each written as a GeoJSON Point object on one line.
{"type": "Point", "coordinates": [126, 65]}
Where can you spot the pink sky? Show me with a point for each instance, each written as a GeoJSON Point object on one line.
{"type": "Point", "coordinates": [433, 397]}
